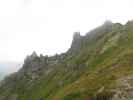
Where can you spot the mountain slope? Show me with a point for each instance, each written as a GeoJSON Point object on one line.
{"type": "Point", "coordinates": [98, 65]}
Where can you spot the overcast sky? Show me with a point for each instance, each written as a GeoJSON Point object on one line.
{"type": "Point", "coordinates": [47, 26]}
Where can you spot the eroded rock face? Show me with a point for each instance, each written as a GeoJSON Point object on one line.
{"type": "Point", "coordinates": [81, 72]}
{"type": "Point", "coordinates": [76, 36]}
{"type": "Point", "coordinates": [123, 95]}
{"type": "Point", "coordinates": [77, 42]}
{"type": "Point", "coordinates": [125, 90]}
{"type": "Point", "coordinates": [36, 66]}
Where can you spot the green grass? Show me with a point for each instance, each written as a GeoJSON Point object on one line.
{"type": "Point", "coordinates": [100, 63]}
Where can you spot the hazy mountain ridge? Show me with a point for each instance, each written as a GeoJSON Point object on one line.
{"type": "Point", "coordinates": [8, 67]}
{"type": "Point", "coordinates": [98, 66]}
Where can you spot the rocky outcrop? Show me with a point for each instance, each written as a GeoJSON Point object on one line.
{"type": "Point", "coordinates": [82, 73]}
{"type": "Point", "coordinates": [76, 42]}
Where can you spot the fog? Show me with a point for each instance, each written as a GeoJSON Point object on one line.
{"type": "Point", "coordinates": [7, 68]}
{"type": "Point", "coordinates": [47, 26]}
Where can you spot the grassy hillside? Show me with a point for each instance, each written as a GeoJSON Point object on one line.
{"type": "Point", "coordinates": [98, 66]}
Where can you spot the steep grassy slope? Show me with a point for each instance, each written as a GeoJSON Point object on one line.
{"type": "Point", "coordinates": [98, 66]}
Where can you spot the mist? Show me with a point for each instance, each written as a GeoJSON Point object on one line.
{"type": "Point", "coordinates": [7, 68]}
{"type": "Point", "coordinates": [35, 25]}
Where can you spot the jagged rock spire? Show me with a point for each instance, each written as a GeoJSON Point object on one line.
{"type": "Point", "coordinates": [108, 22]}
{"type": "Point", "coordinates": [31, 57]}
{"type": "Point", "coordinates": [76, 42]}
{"type": "Point", "coordinates": [76, 36]}
{"type": "Point", "coordinates": [34, 54]}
